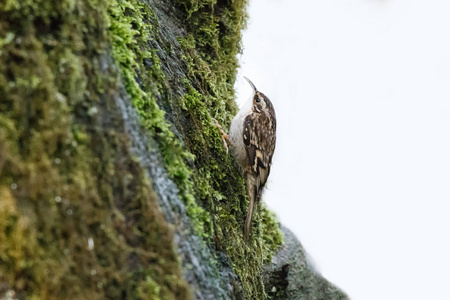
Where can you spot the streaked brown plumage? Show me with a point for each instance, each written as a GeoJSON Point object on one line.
{"type": "Point", "coordinates": [252, 141]}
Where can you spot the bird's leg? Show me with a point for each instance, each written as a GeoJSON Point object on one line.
{"type": "Point", "coordinates": [225, 137]}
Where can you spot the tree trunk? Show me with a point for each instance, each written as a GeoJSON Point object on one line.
{"type": "Point", "coordinates": [113, 181]}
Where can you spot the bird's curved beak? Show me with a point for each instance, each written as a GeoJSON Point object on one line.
{"type": "Point", "coordinates": [251, 83]}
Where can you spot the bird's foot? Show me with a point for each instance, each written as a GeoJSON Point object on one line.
{"type": "Point", "coordinates": [225, 137]}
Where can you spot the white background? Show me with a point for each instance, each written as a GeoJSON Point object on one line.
{"type": "Point", "coordinates": [361, 172]}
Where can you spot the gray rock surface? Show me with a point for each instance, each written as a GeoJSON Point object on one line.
{"type": "Point", "coordinates": [290, 276]}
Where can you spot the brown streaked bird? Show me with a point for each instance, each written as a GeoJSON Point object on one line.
{"type": "Point", "coordinates": [252, 141]}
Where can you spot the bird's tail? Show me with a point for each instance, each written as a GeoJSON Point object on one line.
{"type": "Point", "coordinates": [252, 195]}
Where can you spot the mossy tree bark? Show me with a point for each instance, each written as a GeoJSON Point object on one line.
{"type": "Point", "coordinates": [105, 124]}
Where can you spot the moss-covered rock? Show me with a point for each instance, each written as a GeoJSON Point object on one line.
{"type": "Point", "coordinates": [113, 183]}
{"type": "Point", "coordinates": [290, 276]}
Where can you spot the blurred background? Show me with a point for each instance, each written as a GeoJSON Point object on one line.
{"type": "Point", "coordinates": [361, 173]}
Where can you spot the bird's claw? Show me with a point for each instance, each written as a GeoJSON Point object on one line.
{"type": "Point", "coordinates": [224, 135]}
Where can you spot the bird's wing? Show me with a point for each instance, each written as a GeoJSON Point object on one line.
{"type": "Point", "coordinates": [259, 140]}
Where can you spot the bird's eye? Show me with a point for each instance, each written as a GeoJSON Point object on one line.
{"type": "Point", "coordinates": [257, 99]}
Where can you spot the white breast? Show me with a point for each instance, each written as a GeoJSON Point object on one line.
{"type": "Point", "coordinates": [237, 131]}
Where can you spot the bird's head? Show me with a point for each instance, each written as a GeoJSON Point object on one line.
{"type": "Point", "coordinates": [260, 102]}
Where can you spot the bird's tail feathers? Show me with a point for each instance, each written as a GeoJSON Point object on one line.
{"type": "Point", "coordinates": [253, 194]}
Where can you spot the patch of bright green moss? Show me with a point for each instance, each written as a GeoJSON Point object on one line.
{"type": "Point", "coordinates": [132, 26]}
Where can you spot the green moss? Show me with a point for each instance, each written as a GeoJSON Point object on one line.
{"type": "Point", "coordinates": [210, 50]}
{"type": "Point", "coordinates": [132, 25]}
{"type": "Point", "coordinates": [72, 174]}
{"type": "Point", "coordinates": [78, 218]}
{"type": "Point", "coordinates": [209, 181]}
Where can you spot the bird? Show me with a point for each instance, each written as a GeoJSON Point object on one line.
{"type": "Point", "coordinates": [252, 139]}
